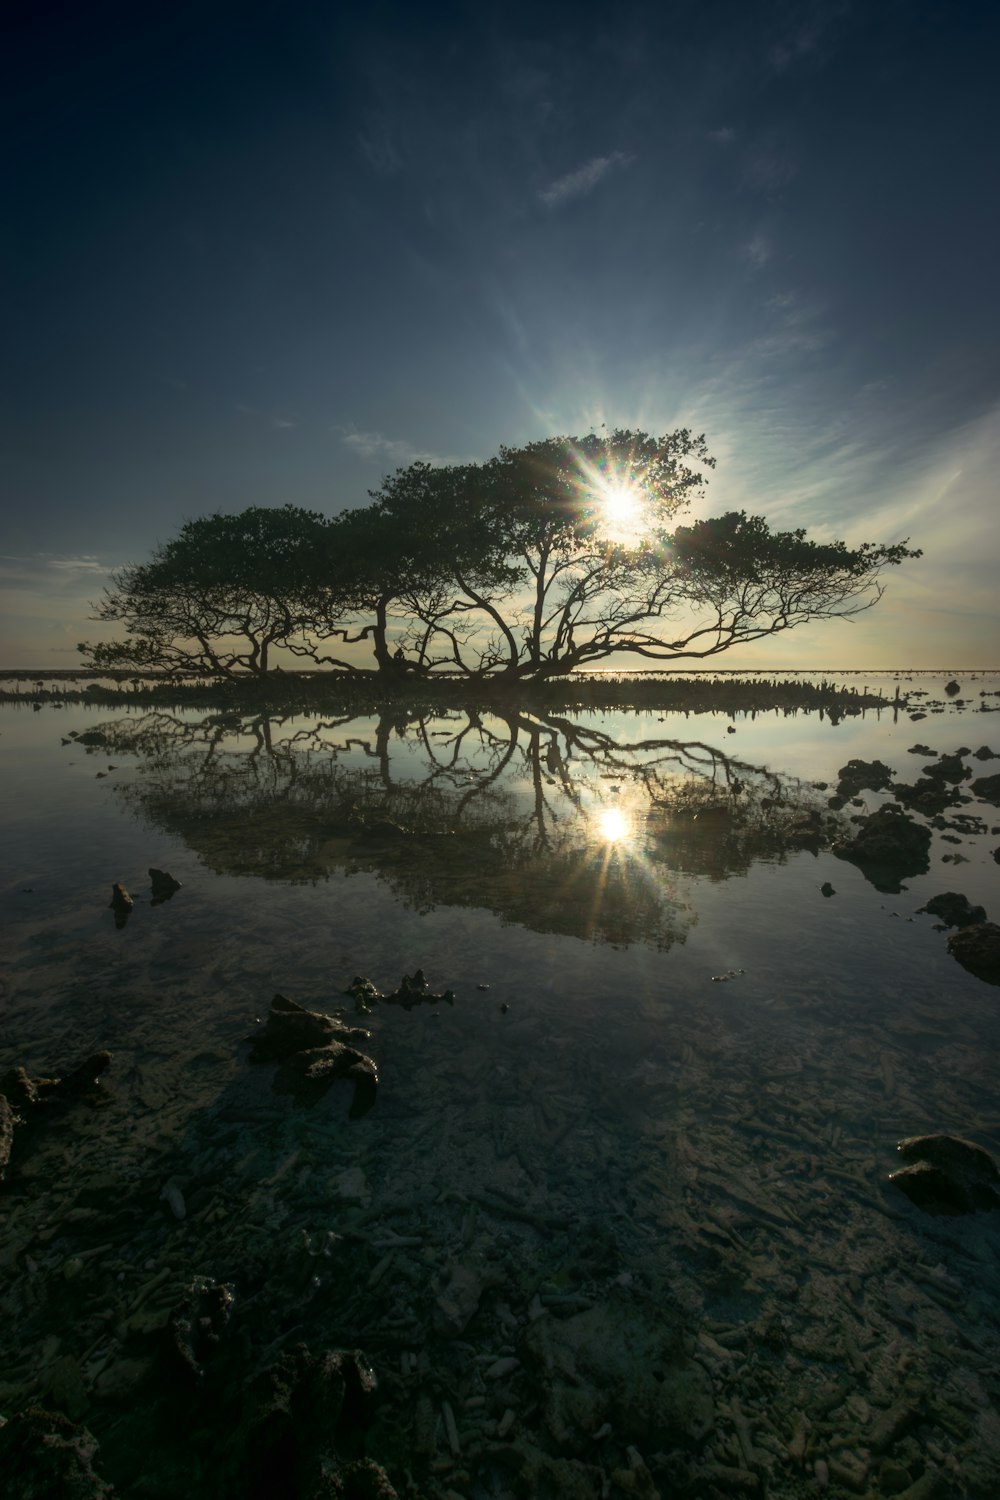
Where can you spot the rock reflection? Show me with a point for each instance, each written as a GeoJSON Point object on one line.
{"type": "Point", "coordinates": [571, 826]}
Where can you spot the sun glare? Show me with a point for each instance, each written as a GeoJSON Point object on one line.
{"type": "Point", "coordinates": [622, 513]}
{"type": "Point", "coordinates": [613, 825]}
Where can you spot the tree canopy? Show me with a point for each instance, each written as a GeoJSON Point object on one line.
{"type": "Point", "coordinates": [543, 560]}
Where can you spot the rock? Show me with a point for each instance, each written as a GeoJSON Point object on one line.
{"type": "Point", "coordinates": [948, 768]}
{"type": "Point", "coordinates": [7, 1122]}
{"type": "Point", "coordinates": [985, 753]}
{"type": "Point", "coordinates": [826, 889]}
{"type": "Point", "coordinates": [298, 1414]}
{"type": "Point", "coordinates": [458, 1302]}
{"type": "Point", "coordinates": [64, 1387]}
{"type": "Point", "coordinates": [164, 885]}
{"type": "Point", "coordinates": [43, 1453]}
{"type": "Point", "coordinates": [987, 789]}
{"type": "Point", "coordinates": [197, 1325]}
{"type": "Point", "coordinates": [121, 903]}
{"type": "Point", "coordinates": [887, 847]}
{"type": "Point", "coordinates": [622, 1363]}
{"type": "Point", "coordinates": [954, 910]}
{"type": "Point", "coordinates": [930, 795]}
{"type": "Point", "coordinates": [947, 1175]}
{"type": "Point", "coordinates": [312, 1050]}
{"type": "Point", "coordinates": [921, 750]}
{"type": "Point", "coordinates": [859, 774]}
{"type": "Point", "coordinates": [978, 950]}
{"type": "Point", "coordinates": [26, 1094]}
{"type": "Point", "coordinates": [953, 687]}
{"type": "Point", "coordinates": [413, 990]}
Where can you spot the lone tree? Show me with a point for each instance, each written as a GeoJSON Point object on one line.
{"type": "Point", "coordinates": [544, 560]}
{"type": "Point", "coordinates": [221, 596]}
{"type": "Point", "coordinates": [578, 561]}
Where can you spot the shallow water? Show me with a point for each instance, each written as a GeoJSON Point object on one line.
{"type": "Point", "coordinates": [674, 1071]}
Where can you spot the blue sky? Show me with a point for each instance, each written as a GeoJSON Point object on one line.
{"type": "Point", "coordinates": [265, 253]}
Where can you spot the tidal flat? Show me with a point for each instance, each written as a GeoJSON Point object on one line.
{"type": "Point", "coordinates": [607, 1210]}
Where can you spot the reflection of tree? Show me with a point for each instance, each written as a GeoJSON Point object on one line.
{"type": "Point", "coordinates": [558, 824]}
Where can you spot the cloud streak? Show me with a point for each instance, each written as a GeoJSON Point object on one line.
{"type": "Point", "coordinates": [375, 445]}
{"type": "Point", "coordinates": [583, 180]}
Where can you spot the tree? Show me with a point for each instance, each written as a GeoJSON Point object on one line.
{"type": "Point", "coordinates": [221, 596]}
{"type": "Point", "coordinates": [578, 563]}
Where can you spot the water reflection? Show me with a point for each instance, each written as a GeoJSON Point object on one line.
{"type": "Point", "coordinates": [556, 823]}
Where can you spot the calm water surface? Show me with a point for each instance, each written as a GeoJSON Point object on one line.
{"type": "Point", "coordinates": [671, 1080]}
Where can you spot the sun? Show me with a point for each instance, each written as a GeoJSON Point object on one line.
{"type": "Point", "coordinates": [622, 513]}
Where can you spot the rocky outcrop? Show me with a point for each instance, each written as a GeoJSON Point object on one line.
{"type": "Point", "coordinates": [978, 950]}
{"type": "Point", "coordinates": [621, 1363]}
{"type": "Point", "coordinates": [163, 885]}
{"type": "Point", "coordinates": [947, 1175]}
{"type": "Point", "coordinates": [43, 1453]}
{"type": "Point", "coordinates": [858, 775]}
{"type": "Point", "coordinates": [313, 1051]}
{"type": "Point", "coordinates": [888, 847]}
{"type": "Point", "coordinates": [954, 910]}
{"type": "Point", "coordinates": [987, 788]}
{"type": "Point", "coordinates": [27, 1101]}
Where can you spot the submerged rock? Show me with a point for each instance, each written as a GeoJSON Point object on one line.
{"type": "Point", "coordinates": [163, 884]}
{"type": "Point", "coordinates": [987, 788]}
{"type": "Point", "coordinates": [313, 1051]}
{"type": "Point", "coordinates": [887, 847]}
{"type": "Point", "coordinates": [620, 1363]}
{"type": "Point", "coordinates": [43, 1453]}
{"type": "Point", "coordinates": [7, 1122]}
{"type": "Point", "coordinates": [860, 774]}
{"type": "Point", "coordinates": [978, 950]}
{"type": "Point", "coordinates": [26, 1101]}
{"type": "Point", "coordinates": [947, 1175]}
{"type": "Point", "coordinates": [413, 990]}
{"type": "Point", "coordinates": [954, 910]}
{"type": "Point", "coordinates": [121, 903]}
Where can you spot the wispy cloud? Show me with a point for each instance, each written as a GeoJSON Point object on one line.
{"type": "Point", "coordinates": [758, 250]}
{"type": "Point", "coordinates": [583, 180]}
{"type": "Point", "coordinates": [724, 136]}
{"type": "Point", "coordinates": [375, 445]}
{"type": "Point", "coordinates": [378, 147]}
{"type": "Point", "coordinates": [47, 572]}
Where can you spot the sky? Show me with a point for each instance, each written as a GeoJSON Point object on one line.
{"type": "Point", "coordinates": [264, 253]}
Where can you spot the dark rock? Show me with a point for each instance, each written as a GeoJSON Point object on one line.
{"type": "Point", "coordinates": [947, 1175]}
{"type": "Point", "coordinates": [978, 950]}
{"type": "Point", "coordinates": [164, 885]}
{"type": "Point", "coordinates": [312, 1050]}
{"type": "Point", "coordinates": [121, 903]}
{"type": "Point", "coordinates": [621, 1362]}
{"type": "Point", "coordinates": [987, 788]}
{"type": "Point", "coordinates": [303, 1425]}
{"type": "Point", "coordinates": [954, 910]}
{"type": "Point", "coordinates": [948, 768]}
{"type": "Point", "coordinates": [197, 1325]}
{"type": "Point", "coordinates": [7, 1122]}
{"type": "Point", "coordinates": [996, 855]}
{"type": "Point", "coordinates": [827, 889]}
{"type": "Point", "coordinates": [953, 687]}
{"type": "Point", "coordinates": [985, 753]}
{"type": "Point", "coordinates": [25, 1093]}
{"type": "Point", "coordinates": [887, 847]}
{"type": "Point", "coordinates": [43, 1454]}
{"type": "Point", "coordinates": [921, 750]}
{"type": "Point", "coordinates": [413, 990]}
{"type": "Point", "coordinates": [930, 795]}
{"type": "Point", "coordinates": [859, 774]}
{"type": "Point", "coordinates": [916, 717]}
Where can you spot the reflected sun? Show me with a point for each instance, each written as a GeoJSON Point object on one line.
{"type": "Point", "coordinates": [613, 825]}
